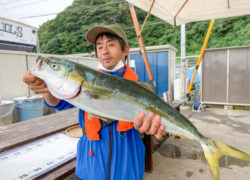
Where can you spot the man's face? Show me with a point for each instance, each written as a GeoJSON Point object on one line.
{"type": "Point", "coordinates": [109, 51]}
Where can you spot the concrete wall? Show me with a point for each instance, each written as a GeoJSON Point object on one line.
{"type": "Point", "coordinates": [14, 64]}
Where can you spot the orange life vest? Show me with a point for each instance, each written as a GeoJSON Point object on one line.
{"type": "Point", "coordinates": [93, 125]}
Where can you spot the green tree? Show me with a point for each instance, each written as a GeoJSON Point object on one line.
{"type": "Point", "coordinates": [66, 33]}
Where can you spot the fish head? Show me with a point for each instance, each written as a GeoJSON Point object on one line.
{"type": "Point", "coordinates": [59, 76]}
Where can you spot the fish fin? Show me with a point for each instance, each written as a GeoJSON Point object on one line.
{"type": "Point", "coordinates": [91, 94]}
{"type": "Point", "coordinates": [102, 118]}
{"type": "Point", "coordinates": [145, 85]}
{"type": "Point", "coordinates": [106, 119]}
{"type": "Point", "coordinates": [181, 135]}
{"type": "Point", "coordinates": [215, 150]}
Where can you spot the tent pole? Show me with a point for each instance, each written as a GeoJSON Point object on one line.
{"type": "Point", "coordinates": [201, 56]}
{"type": "Point", "coordinates": [38, 45]}
{"type": "Point", "coordinates": [143, 51]}
{"type": "Point", "coordinates": [139, 34]}
{"type": "Point", "coordinates": [147, 139]}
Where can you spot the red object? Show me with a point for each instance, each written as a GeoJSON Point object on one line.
{"type": "Point", "coordinates": [91, 153]}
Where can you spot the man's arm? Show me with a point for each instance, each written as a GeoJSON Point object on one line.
{"type": "Point", "coordinates": [39, 87]}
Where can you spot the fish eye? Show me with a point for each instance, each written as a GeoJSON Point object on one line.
{"type": "Point", "coordinates": [53, 66]}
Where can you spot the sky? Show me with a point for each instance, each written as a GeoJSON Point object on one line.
{"type": "Point", "coordinates": [22, 9]}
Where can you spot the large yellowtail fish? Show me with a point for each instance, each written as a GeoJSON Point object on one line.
{"type": "Point", "coordinates": [116, 98]}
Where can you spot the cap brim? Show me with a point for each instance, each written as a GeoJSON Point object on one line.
{"type": "Point", "coordinates": [94, 32]}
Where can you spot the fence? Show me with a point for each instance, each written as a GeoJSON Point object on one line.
{"type": "Point", "coordinates": [14, 64]}
{"type": "Point", "coordinates": [191, 62]}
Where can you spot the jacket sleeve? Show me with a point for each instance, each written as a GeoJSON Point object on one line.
{"type": "Point", "coordinates": [62, 105]}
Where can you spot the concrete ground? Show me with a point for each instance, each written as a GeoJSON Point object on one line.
{"type": "Point", "coordinates": [180, 159]}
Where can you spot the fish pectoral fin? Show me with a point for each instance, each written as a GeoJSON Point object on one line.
{"type": "Point", "coordinates": [95, 95]}
{"type": "Point", "coordinates": [145, 85]}
{"type": "Point", "coordinates": [101, 117]}
{"type": "Point", "coordinates": [106, 119]}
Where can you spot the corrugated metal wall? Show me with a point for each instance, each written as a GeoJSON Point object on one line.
{"type": "Point", "coordinates": [14, 64]}
{"type": "Point", "coordinates": [226, 76]}
{"type": "Point", "coordinates": [214, 76]}
{"type": "Point", "coordinates": [162, 62]}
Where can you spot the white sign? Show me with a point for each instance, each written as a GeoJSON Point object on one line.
{"type": "Point", "coordinates": [14, 32]}
{"type": "Point", "coordinates": [32, 160]}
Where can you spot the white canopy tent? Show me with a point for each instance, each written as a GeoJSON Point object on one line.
{"type": "Point", "coordinates": [16, 35]}
{"type": "Point", "coordinates": [185, 11]}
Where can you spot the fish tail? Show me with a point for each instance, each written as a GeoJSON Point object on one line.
{"type": "Point", "coordinates": [213, 151]}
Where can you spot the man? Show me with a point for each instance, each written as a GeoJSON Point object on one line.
{"type": "Point", "coordinates": [107, 151]}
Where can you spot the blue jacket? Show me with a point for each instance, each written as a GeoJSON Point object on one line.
{"type": "Point", "coordinates": [128, 152]}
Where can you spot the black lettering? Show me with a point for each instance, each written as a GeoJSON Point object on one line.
{"type": "Point", "coordinates": [11, 30]}
{"type": "Point", "coordinates": [3, 158]}
{"type": "Point", "coordinates": [49, 163]}
{"type": "Point", "coordinates": [23, 176]}
{"type": "Point", "coordinates": [4, 27]}
{"type": "Point", "coordinates": [16, 153]}
{"type": "Point", "coordinates": [1, 27]}
{"type": "Point", "coordinates": [19, 31]}
{"type": "Point", "coordinates": [28, 149]}
{"type": "Point", "coordinates": [37, 169]}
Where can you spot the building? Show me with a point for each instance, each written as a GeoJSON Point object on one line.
{"type": "Point", "coordinates": [16, 35]}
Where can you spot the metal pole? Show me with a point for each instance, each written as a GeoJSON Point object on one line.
{"type": "Point", "coordinates": [183, 65]}
{"type": "Point", "coordinates": [146, 17]}
{"type": "Point", "coordinates": [27, 68]}
{"type": "Point", "coordinates": [201, 55]}
{"type": "Point", "coordinates": [148, 142]}
{"type": "Point", "coordinates": [143, 51]}
{"type": "Point", "coordinates": [37, 44]}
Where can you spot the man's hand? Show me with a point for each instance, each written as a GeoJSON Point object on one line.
{"type": "Point", "coordinates": [35, 84]}
{"type": "Point", "coordinates": [151, 125]}
{"type": "Point", "coordinates": [39, 87]}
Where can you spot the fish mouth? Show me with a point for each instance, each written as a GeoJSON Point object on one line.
{"type": "Point", "coordinates": [60, 95]}
{"type": "Point", "coordinates": [39, 62]}
{"type": "Point", "coordinates": [77, 94]}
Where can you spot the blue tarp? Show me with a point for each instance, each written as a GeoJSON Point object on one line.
{"type": "Point", "coordinates": [190, 73]}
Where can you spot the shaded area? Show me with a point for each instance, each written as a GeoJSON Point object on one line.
{"type": "Point", "coordinates": [173, 151]}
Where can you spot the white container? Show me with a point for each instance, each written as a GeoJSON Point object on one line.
{"type": "Point", "coordinates": [7, 112]}
{"type": "Point", "coordinates": [177, 89]}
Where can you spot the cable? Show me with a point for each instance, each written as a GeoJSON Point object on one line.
{"type": "Point", "coordinates": [157, 23]}
{"type": "Point", "coordinates": [77, 9]}
{"type": "Point", "coordinates": [10, 2]}
{"type": "Point", "coordinates": [80, 36]}
{"type": "Point", "coordinates": [28, 4]}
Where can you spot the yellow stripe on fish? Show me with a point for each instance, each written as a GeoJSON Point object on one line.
{"type": "Point", "coordinates": [76, 78]}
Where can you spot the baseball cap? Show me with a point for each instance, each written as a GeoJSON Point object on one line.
{"type": "Point", "coordinates": [112, 29]}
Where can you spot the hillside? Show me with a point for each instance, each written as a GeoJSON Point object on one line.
{"type": "Point", "coordinates": [66, 33]}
